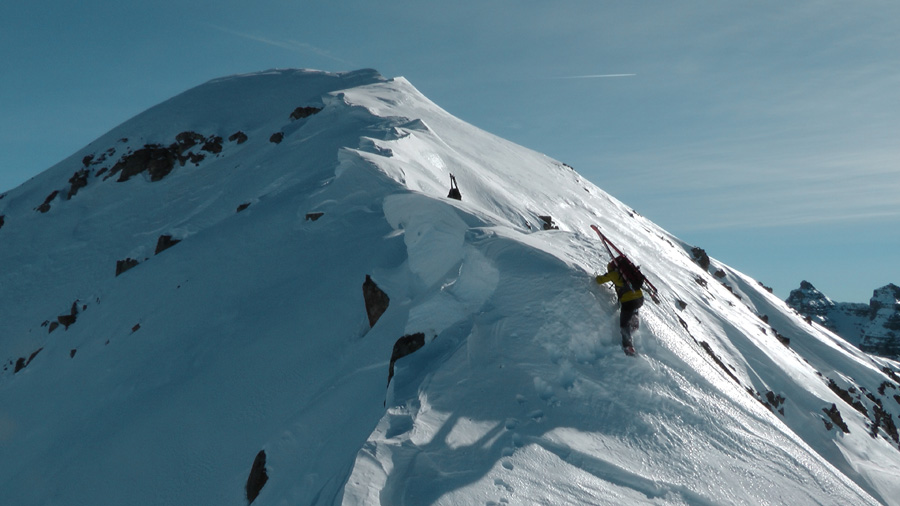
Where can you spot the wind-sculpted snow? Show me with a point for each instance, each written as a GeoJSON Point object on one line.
{"type": "Point", "coordinates": [251, 333]}
{"type": "Point", "coordinates": [543, 401]}
{"type": "Point", "coordinates": [433, 233]}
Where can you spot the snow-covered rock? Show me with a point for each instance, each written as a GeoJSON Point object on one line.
{"type": "Point", "coordinates": [245, 343]}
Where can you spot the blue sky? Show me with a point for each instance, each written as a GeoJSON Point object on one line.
{"type": "Point", "coordinates": [766, 132]}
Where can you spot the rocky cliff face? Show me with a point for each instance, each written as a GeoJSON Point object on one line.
{"type": "Point", "coordinates": [873, 327]}
{"type": "Point", "coordinates": [882, 335]}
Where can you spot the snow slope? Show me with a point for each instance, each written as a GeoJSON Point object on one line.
{"type": "Point", "coordinates": [251, 333]}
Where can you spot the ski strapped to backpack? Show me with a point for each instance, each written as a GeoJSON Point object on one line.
{"type": "Point", "coordinates": [631, 274]}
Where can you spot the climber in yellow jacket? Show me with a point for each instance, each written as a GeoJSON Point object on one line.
{"type": "Point", "coordinates": [631, 298]}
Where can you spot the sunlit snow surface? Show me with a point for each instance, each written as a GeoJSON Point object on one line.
{"type": "Point", "coordinates": [252, 334]}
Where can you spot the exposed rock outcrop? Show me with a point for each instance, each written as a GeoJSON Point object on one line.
{"type": "Point", "coordinates": [700, 256]}
{"type": "Point", "coordinates": [547, 223]}
{"type": "Point", "coordinates": [835, 418]}
{"type": "Point", "coordinates": [376, 300]}
{"type": "Point", "coordinates": [303, 112]}
{"type": "Point", "coordinates": [68, 319]}
{"type": "Point", "coordinates": [213, 145]}
{"type": "Point", "coordinates": [78, 181]}
{"type": "Point", "coordinates": [157, 160]}
{"type": "Point", "coordinates": [124, 265]}
{"type": "Point", "coordinates": [238, 136]}
{"type": "Point", "coordinates": [46, 205]}
{"type": "Point", "coordinates": [258, 476]}
{"type": "Point", "coordinates": [403, 347]}
{"type": "Point", "coordinates": [22, 362]}
{"type": "Point", "coordinates": [165, 242]}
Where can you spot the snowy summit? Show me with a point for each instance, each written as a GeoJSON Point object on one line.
{"type": "Point", "coordinates": [259, 291]}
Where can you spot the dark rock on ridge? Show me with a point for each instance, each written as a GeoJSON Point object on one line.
{"type": "Point", "coordinates": [258, 476]}
{"type": "Point", "coordinates": [124, 265]}
{"type": "Point", "coordinates": [46, 205]}
{"type": "Point", "coordinates": [165, 242]}
{"type": "Point", "coordinates": [238, 136]}
{"type": "Point", "coordinates": [78, 181]}
{"type": "Point", "coordinates": [303, 112]}
{"type": "Point", "coordinates": [700, 257]}
{"type": "Point", "coordinates": [403, 347]}
{"type": "Point", "coordinates": [155, 159]}
{"type": "Point", "coordinates": [22, 363]}
{"type": "Point", "coordinates": [376, 300]}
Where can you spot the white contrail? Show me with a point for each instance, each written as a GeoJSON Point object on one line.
{"type": "Point", "coordinates": [595, 76]}
{"type": "Point", "coordinates": [290, 45]}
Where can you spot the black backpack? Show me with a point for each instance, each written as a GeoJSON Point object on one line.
{"type": "Point", "coordinates": [631, 274]}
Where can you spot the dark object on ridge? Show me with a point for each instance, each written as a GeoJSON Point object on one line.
{"type": "Point", "coordinates": [376, 300]}
{"type": "Point", "coordinates": [124, 265]}
{"type": "Point", "coordinates": [836, 418]}
{"type": "Point", "coordinates": [258, 476]}
{"type": "Point", "coordinates": [454, 189]}
{"type": "Point", "coordinates": [548, 223]}
{"type": "Point", "coordinates": [68, 319]}
{"type": "Point", "coordinates": [78, 181]}
{"type": "Point", "coordinates": [22, 363]}
{"type": "Point", "coordinates": [700, 257]}
{"type": "Point", "coordinates": [156, 159]}
{"type": "Point", "coordinates": [165, 242]}
{"type": "Point", "coordinates": [46, 205]}
{"type": "Point", "coordinates": [238, 136]}
{"type": "Point", "coordinates": [404, 346]}
{"type": "Point", "coordinates": [303, 112]}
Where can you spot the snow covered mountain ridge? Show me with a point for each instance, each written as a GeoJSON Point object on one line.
{"type": "Point", "coordinates": [873, 327]}
{"type": "Point", "coordinates": [205, 306]}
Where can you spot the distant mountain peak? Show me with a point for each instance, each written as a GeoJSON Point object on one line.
{"type": "Point", "coordinates": [887, 296]}
{"type": "Point", "coordinates": [809, 300]}
{"type": "Point", "coordinates": [874, 327]}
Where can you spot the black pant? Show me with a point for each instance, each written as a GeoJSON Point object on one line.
{"type": "Point", "coordinates": [629, 310]}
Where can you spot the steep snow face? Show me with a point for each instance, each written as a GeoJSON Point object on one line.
{"type": "Point", "coordinates": [168, 370]}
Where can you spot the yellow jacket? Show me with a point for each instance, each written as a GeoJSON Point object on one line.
{"type": "Point", "coordinates": [624, 293]}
